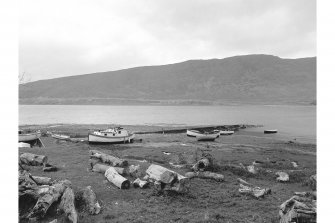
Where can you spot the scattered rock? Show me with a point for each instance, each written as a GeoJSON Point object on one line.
{"type": "Point", "coordinates": [294, 164]}
{"type": "Point", "coordinates": [282, 177]}
{"type": "Point", "coordinates": [134, 170]}
{"type": "Point", "coordinates": [202, 164]}
{"type": "Point", "coordinates": [252, 169]}
{"type": "Point", "coordinates": [140, 183]}
{"type": "Point", "coordinates": [256, 192]}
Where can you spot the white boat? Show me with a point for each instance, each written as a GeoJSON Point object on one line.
{"type": "Point", "coordinates": [24, 145]}
{"type": "Point", "coordinates": [226, 132]}
{"type": "Point", "coordinates": [207, 136]}
{"type": "Point", "coordinates": [113, 135]}
{"type": "Point", "coordinates": [193, 133]}
{"type": "Point", "coordinates": [270, 131]}
{"type": "Point", "coordinates": [29, 136]}
{"type": "Point", "coordinates": [60, 136]}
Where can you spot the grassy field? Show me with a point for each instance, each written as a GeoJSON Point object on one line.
{"type": "Point", "coordinates": [207, 201]}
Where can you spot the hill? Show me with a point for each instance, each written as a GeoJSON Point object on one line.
{"type": "Point", "coordinates": [255, 79]}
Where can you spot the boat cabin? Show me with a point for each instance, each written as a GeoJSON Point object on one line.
{"type": "Point", "coordinates": [113, 132]}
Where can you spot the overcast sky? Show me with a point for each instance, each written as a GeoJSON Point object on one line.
{"type": "Point", "coordinates": [62, 38]}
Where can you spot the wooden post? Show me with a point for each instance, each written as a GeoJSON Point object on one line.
{"type": "Point", "coordinates": [169, 179]}
{"type": "Point", "coordinates": [114, 161]}
{"type": "Point", "coordinates": [241, 181]}
{"type": "Point", "coordinates": [67, 205]}
{"type": "Point", "coordinates": [161, 174]}
{"type": "Point", "coordinates": [113, 176]}
{"type": "Point", "coordinates": [205, 175]}
{"type": "Point", "coordinates": [101, 168]}
{"type": "Point", "coordinates": [41, 142]}
{"type": "Point", "coordinates": [49, 168]}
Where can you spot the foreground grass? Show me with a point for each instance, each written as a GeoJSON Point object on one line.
{"type": "Point", "coordinates": [207, 201]}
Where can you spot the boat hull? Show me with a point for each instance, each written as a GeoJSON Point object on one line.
{"type": "Point", "coordinates": [97, 139]}
{"type": "Point", "coordinates": [270, 131]}
{"type": "Point", "coordinates": [29, 137]}
{"type": "Point", "coordinates": [226, 132]}
{"type": "Point", "coordinates": [62, 137]}
{"type": "Point", "coordinates": [193, 133]}
{"type": "Point", "coordinates": [207, 137]}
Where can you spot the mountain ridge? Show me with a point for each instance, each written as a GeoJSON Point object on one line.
{"type": "Point", "coordinates": [246, 78]}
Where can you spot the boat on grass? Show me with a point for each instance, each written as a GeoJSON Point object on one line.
{"type": "Point", "coordinates": [27, 136]}
{"type": "Point", "coordinates": [60, 136]}
{"type": "Point", "coordinates": [207, 136]}
{"type": "Point", "coordinates": [270, 131]}
{"type": "Point", "coordinates": [193, 133]}
{"type": "Point", "coordinates": [111, 135]}
{"type": "Point", "coordinates": [24, 145]}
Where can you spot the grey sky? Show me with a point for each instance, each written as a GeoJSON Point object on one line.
{"type": "Point", "coordinates": [62, 38]}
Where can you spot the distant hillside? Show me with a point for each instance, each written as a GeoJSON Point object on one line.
{"type": "Point", "coordinates": [253, 79]}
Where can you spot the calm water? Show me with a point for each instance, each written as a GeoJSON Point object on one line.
{"type": "Point", "coordinates": [292, 121]}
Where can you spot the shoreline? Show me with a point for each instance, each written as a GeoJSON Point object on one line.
{"type": "Point", "coordinates": [81, 130]}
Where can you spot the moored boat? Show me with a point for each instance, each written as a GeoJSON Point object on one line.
{"type": "Point", "coordinates": [270, 131]}
{"type": "Point", "coordinates": [60, 136]}
{"type": "Point", "coordinates": [112, 135]}
{"type": "Point", "coordinates": [226, 132]}
{"type": "Point", "coordinates": [28, 136]}
{"type": "Point", "coordinates": [207, 136]}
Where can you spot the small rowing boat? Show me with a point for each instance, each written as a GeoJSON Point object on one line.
{"type": "Point", "coordinates": [224, 132]}
{"type": "Point", "coordinates": [112, 135]}
{"type": "Point", "coordinates": [28, 136]}
{"type": "Point", "coordinates": [207, 136]}
{"type": "Point", "coordinates": [24, 145]}
{"type": "Point", "coordinates": [60, 136]}
{"type": "Point", "coordinates": [270, 131]}
{"type": "Point", "coordinates": [193, 133]}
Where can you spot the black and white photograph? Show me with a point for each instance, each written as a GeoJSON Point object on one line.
{"type": "Point", "coordinates": [166, 111]}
